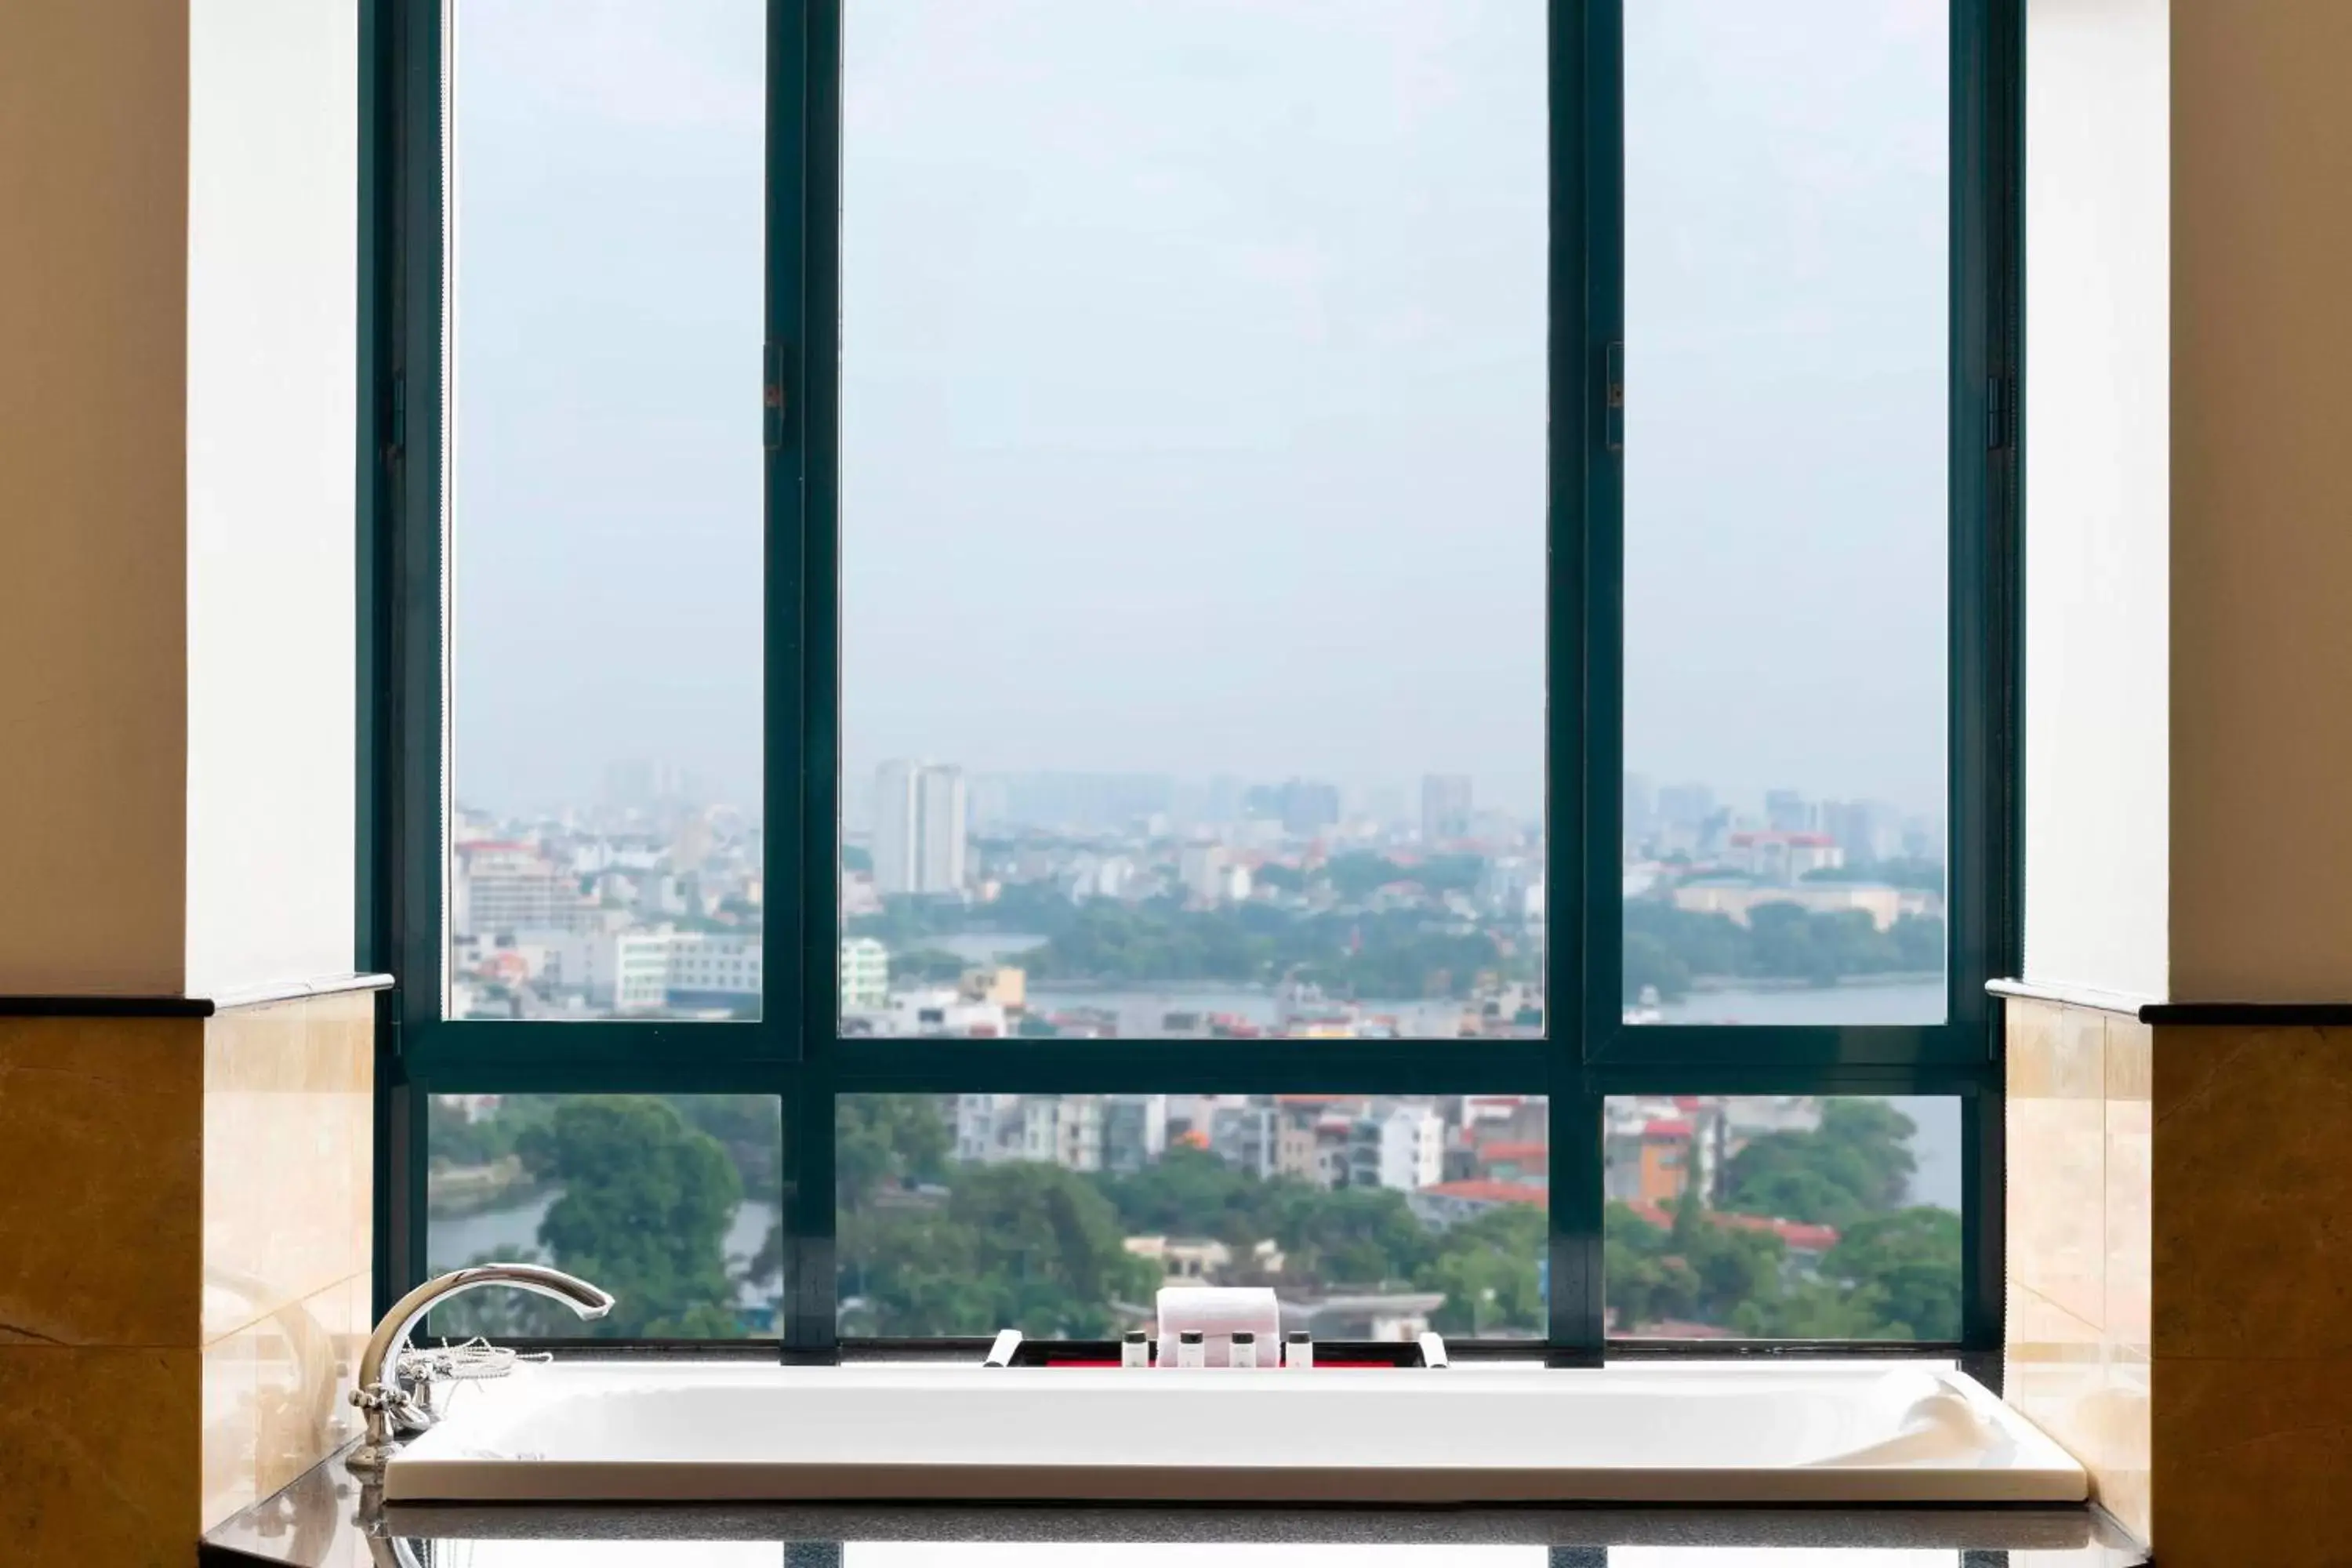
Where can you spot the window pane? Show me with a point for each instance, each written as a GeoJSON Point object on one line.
{"type": "Point", "coordinates": [1786, 326]}
{"type": "Point", "coordinates": [1785, 1218]}
{"type": "Point", "coordinates": [1192, 514]}
{"type": "Point", "coordinates": [605, 531]}
{"type": "Point", "coordinates": [670, 1202]}
{"type": "Point", "coordinates": [1370, 1217]}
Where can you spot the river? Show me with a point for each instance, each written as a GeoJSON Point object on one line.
{"type": "Point", "coordinates": [1906, 1001]}
{"type": "Point", "coordinates": [454, 1242]}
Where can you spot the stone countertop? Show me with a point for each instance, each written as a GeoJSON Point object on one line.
{"type": "Point", "coordinates": [315, 1523]}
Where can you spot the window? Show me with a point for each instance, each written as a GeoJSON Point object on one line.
{"type": "Point", "coordinates": [1161, 683]}
{"type": "Point", "coordinates": [1784, 1218]}
{"type": "Point", "coordinates": [604, 533]}
{"type": "Point", "coordinates": [1028, 649]}
{"type": "Point", "coordinates": [673, 1203]}
{"type": "Point", "coordinates": [1372, 1216]}
{"type": "Point", "coordinates": [1786, 511]}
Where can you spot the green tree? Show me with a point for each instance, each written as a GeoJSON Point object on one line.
{"type": "Point", "coordinates": [646, 1204]}
{"type": "Point", "coordinates": [1021, 1244]}
{"type": "Point", "coordinates": [1649, 963]}
{"type": "Point", "coordinates": [1488, 1267]}
{"type": "Point", "coordinates": [1364, 1237]}
{"type": "Point", "coordinates": [1857, 1163]}
{"type": "Point", "coordinates": [750, 1128]}
{"type": "Point", "coordinates": [1280, 877]}
{"type": "Point", "coordinates": [882, 1141]}
{"type": "Point", "coordinates": [1708, 944]}
{"type": "Point", "coordinates": [926, 966]}
{"type": "Point", "coordinates": [1922, 876]}
{"type": "Point", "coordinates": [1907, 1266]}
{"type": "Point", "coordinates": [1919, 942]}
{"type": "Point", "coordinates": [1693, 1271]}
{"type": "Point", "coordinates": [1190, 1192]}
{"type": "Point", "coordinates": [1809, 1309]}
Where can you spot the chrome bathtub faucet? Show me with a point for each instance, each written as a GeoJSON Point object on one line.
{"type": "Point", "coordinates": [398, 1401]}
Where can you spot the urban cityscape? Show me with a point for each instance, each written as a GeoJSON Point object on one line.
{"type": "Point", "coordinates": [1124, 906]}
{"type": "Point", "coordinates": [1133, 906]}
{"type": "Point", "coordinates": [1371, 1217]}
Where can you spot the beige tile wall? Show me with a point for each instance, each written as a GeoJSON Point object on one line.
{"type": "Point", "coordinates": [2077, 1353]}
{"type": "Point", "coordinates": [289, 1133]}
{"type": "Point", "coordinates": [184, 1284]}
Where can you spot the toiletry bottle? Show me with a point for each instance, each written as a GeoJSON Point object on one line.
{"type": "Point", "coordinates": [1189, 1351]}
{"type": "Point", "coordinates": [1135, 1350]}
{"type": "Point", "coordinates": [1244, 1350]}
{"type": "Point", "coordinates": [1299, 1353]}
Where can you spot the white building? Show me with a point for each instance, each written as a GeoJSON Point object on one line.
{"type": "Point", "coordinates": [500, 888]}
{"type": "Point", "coordinates": [1444, 807]}
{"type": "Point", "coordinates": [1403, 1148]}
{"type": "Point", "coordinates": [1134, 1131]}
{"type": "Point", "coordinates": [1867, 830]}
{"type": "Point", "coordinates": [1201, 867]}
{"type": "Point", "coordinates": [1099, 877]}
{"type": "Point", "coordinates": [919, 828]}
{"type": "Point", "coordinates": [943, 1010]}
{"type": "Point", "coordinates": [864, 975]}
{"type": "Point", "coordinates": [568, 963]}
{"type": "Point", "coordinates": [1065, 1130]}
{"type": "Point", "coordinates": [657, 969]}
{"type": "Point", "coordinates": [1211, 876]}
{"type": "Point", "coordinates": [1062, 1129]}
{"type": "Point", "coordinates": [1885, 905]}
{"type": "Point", "coordinates": [1783, 856]}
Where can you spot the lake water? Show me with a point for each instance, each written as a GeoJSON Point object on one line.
{"type": "Point", "coordinates": [456, 1242]}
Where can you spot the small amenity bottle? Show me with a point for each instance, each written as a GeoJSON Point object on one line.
{"type": "Point", "coordinates": [1299, 1353]}
{"type": "Point", "coordinates": [1244, 1350]}
{"type": "Point", "coordinates": [1189, 1352]}
{"type": "Point", "coordinates": [1135, 1350]}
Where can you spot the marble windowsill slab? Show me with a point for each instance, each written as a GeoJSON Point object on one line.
{"type": "Point", "coordinates": [51, 1006]}
{"type": "Point", "coordinates": [2193, 1014]}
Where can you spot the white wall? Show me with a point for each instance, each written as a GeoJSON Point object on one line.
{"type": "Point", "coordinates": [2097, 547]}
{"type": "Point", "coordinates": [272, 342]}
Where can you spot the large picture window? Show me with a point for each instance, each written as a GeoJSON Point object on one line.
{"type": "Point", "coordinates": [1032, 647]}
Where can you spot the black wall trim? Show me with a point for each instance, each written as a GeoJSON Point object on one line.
{"type": "Point", "coordinates": [2190, 1014]}
{"type": "Point", "coordinates": [105, 1007]}
{"type": "Point", "coordinates": [187, 1006]}
{"type": "Point", "coordinates": [2256, 1014]}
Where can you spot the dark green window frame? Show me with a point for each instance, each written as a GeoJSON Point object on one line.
{"type": "Point", "coordinates": [793, 1052]}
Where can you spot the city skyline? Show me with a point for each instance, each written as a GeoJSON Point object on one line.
{"type": "Point", "coordinates": [1400, 801]}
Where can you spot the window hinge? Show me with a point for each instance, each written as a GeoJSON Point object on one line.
{"type": "Point", "coordinates": [1612, 410]}
{"type": "Point", "coordinates": [396, 436]}
{"type": "Point", "coordinates": [771, 396]}
{"type": "Point", "coordinates": [2001, 413]}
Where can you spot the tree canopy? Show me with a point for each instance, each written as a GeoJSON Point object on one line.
{"type": "Point", "coordinates": [650, 1186]}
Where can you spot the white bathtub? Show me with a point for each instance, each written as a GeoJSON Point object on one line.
{"type": "Point", "coordinates": [575, 1432]}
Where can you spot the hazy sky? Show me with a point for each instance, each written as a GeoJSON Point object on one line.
{"type": "Point", "coordinates": [1193, 390]}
